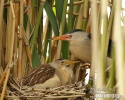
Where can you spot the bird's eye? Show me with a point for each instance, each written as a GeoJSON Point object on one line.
{"type": "Point", "coordinates": [89, 36]}
{"type": "Point", "coordinates": [70, 35]}
{"type": "Point", "coordinates": [62, 62]}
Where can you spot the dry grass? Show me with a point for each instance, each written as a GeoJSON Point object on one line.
{"type": "Point", "coordinates": [24, 41]}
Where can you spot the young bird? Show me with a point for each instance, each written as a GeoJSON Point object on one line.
{"type": "Point", "coordinates": [50, 75]}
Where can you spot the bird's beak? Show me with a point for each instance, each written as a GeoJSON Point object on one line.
{"type": "Point", "coordinates": [72, 61]}
{"type": "Point", "coordinates": [62, 37]}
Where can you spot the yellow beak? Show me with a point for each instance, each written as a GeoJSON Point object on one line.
{"type": "Point", "coordinates": [72, 61]}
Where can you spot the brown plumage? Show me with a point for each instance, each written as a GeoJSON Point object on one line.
{"type": "Point", "coordinates": [39, 75]}
{"type": "Point", "coordinates": [50, 75]}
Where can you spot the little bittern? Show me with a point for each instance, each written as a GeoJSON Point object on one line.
{"type": "Point", "coordinates": [50, 75]}
{"type": "Point", "coordinates": [80, 45]}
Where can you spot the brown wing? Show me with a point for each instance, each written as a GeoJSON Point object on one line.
{"type": "Point", "coordinates": [39, 75]}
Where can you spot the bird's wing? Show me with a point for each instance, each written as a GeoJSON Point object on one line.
{"type": "Point", "coordinates": [39, 75]}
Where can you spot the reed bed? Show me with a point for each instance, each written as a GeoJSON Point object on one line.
{"type": "Point", "coordinates": [26, 27]}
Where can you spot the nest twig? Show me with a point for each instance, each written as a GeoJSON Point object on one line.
{"type": "Point", "coordinates": [71, 91]}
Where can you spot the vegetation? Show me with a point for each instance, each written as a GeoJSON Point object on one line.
{"type": "Point", "coordinates": [25, 31]}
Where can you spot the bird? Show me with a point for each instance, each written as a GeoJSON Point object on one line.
{"type": "Point", "coordinates": [79, 45]}
{"type": "Point", "coordinates": [50, 75]}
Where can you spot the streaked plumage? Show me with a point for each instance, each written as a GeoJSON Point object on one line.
{"type": "Point", "coordinates": [39, 75]}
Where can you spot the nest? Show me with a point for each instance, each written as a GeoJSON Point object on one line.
{"type": "Point", "coordinates": [77, 91]}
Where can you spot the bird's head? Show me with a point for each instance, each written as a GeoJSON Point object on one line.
{"type": "Point", "coordinates": [73, 35]}
{"type": "Point", "coordinates": [59, 63]}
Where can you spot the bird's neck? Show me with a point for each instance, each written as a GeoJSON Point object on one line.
{"type": "Point", "coordinates": [52, 64]}
{"type": "Point", "coordinates": [63, 75]}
